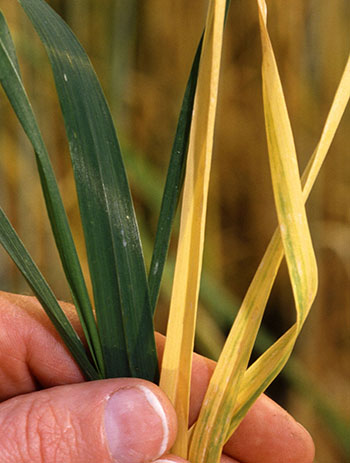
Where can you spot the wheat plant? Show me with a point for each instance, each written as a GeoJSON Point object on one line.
{"type": "Point", "coordinates": [118, 322]}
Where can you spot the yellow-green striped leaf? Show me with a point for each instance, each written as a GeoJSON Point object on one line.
{"type": "Point", "coordinates": [177, 360]}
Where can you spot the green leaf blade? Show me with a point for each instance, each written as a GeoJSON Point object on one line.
{"type": "Point", "coordinates": [15, 248]}
{"type": "Point", "coordinates": [11, 81]}
{"type": "Point", "coordinates": [173, 184]}
{"type": "Point", "coordinates": [174, 179]}
{"type": "Point", "coordinates": [6, 40]}
{"type": "Point", "coordinates": [113, 245]}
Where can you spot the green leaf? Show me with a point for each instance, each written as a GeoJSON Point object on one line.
{"type": "Point", "coordinates": [111, 234]}
{"type": "Point", "coordinates": [173, 184]}
{"type": "Point", "coordinates": [7, 42]}
{"type": "Point", "coordinates": [11, 81]}
{"type": "Point", "coordinates": [174, 180]}
{"type": "Point", "coordinates": [15, 248]}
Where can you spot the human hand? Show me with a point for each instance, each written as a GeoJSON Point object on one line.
{"type": "Point", "coordinates": [48, 414]}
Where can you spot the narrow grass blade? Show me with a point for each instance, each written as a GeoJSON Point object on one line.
{"type": "Point", "coordinates": [11, 81]}
{"type": "Point", "coordinates": [273, 360]}
{"type": "Point", "coordinates": [112, 238]}
{"type": "Point", "coordinates": [266, 368]}
{"type": "Point", "coordinates": [340, 102]}
{"type": "Point", "coordinates": [286, 183]}
{"type": "Point", "coordinates": [262, 373]}
{"type": "Point", "coordinates": [18, 253]}
{"type": "Point", "coordinates": [219, 403]}
{"type": "Point", "coordinates": [213, 425]}
{"type": "Point", "coordinates": [222, 308]}
{"type": "Point", "coordinates": [174, 180]}
{"type": "Point", "coordinates": [7, 43]}
{"type": "Point", "coordinates": [173, 184]}
{"type": "Point", "coordinates": [177, 360]}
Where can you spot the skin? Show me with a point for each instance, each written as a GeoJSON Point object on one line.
{"type": "Point", "coordinates": [39, 379]}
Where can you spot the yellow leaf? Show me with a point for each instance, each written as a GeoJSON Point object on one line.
{"type": "Point", "coordinates": [177, 359]}
{"type": "Point", "coordinates": [231, 391]}
{"type": "Point", "coordinates": [258, 377]}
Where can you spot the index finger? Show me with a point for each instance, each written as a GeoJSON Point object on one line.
{"type": "Point", "coordinates": [31, 352]}
{"type": "Point", "coordinates": [268, 434]}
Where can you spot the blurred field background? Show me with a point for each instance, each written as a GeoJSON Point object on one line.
{"type": "Point", "coordinates": [142, 52]}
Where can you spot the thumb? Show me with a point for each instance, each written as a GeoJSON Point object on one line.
{"type": "Point", "coordinates": [123, 420]}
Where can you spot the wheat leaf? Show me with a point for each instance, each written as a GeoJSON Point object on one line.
{"type": "Point", "coordinates": [18, 253]}
{"type": "Point", "coordinates": [11, 81]}
{"type": "Point", "coordinates": [267, 367]}
{"type": "Point", "coordinates": [213, 425]}
{"type": "Point", "coordinates": [174, 180]}
{"type": "Point", "coordinates": [112, 238]}
{"type": "Point", "coordinates": [177, 360]}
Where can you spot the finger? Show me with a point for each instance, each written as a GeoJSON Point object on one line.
{"type": "Point", "coordinates": [171, 459]}
{"type": "Point", "coordinates": [116, 420]}
{"type": "Point", "coordinates": [31, 350]}
{"type": "Point", "coordinates": [202, 370]}
{"type": "Point", "coordinates": [268, 434]}
{"type": "Point", "coordinates": [175, 459]}
{"type": "Point", "coordinates": [226, 459]}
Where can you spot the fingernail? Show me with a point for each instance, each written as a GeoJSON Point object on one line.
{"type": "Point", "coordinates": [172, 459]}
{"type": "Point", "coordinates": [136, 425]}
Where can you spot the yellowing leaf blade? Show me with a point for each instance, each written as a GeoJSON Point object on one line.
{"type": "Point", "coordinates": [262, 372]}
{"type": "Point", "coordinates": [335, 114]}
{"type": "Point", "coordinates": [233, 390]}
{"type": "Point", "coordinates": [213, 424]}
{"type": "Point", "coordinates": [286, 184]}
{"type": "Point", "coordinates": [177, 359]}
{"type": "Point", "coordinates": [219, 406]}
